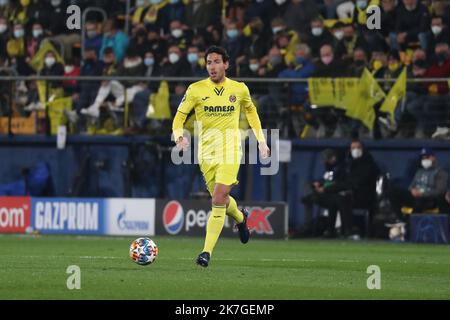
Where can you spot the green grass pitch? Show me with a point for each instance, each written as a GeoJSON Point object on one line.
{"type": "Point", "coordinates": [34, 267]}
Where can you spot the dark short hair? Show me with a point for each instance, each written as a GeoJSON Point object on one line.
{"type": "Point", "coordinates": [218, 50]}
{"type": "Point", "coordinates": [108, 50]}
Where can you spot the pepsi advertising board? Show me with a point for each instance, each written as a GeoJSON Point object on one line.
{"type": "Point", "coordinates": [67, 216]}
{"type": "Point", "coordinates": [267, 220]}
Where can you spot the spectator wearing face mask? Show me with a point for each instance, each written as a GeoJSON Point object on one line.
{"type": "Point", "coordinates": [427, 187]}
{"type": "Point", "coordinates": [142, 98]}
{"type": "Point", "coordinates": [93, 39]}
{"type": "Point", "coordinates": [16, 44]}
{"type": "Point", "coordinates": [234, 42]}
{"type": "Point", "coordinates": [326, 117]}
{"type": "Point", "coordinates": [272, 100]}
{"type": "Point", "coordinates": [285, 39]}
{"type": "Point", "coordinates": [302, 68]}
{"type": "Point", "coordinates": [53, 68]}
{"type": "Point", "coordinates": [197, 63]}
{"type": "Point", "coordinates": [70, 70]}
{"type": "Point", "coordinates": [180, 35]}
{"type": "Point", "coordinates": [34, 41]}
{"type": "Point", "coordinates": [362, 174]}
{"type": "Point", "coordinates": [175, 10]}
{"type": "Point", "coordinates": [338, 39]}
{"type": "Point", "coordinates": [176, 65]}
{"type": "Point", "coordinates": [318, 36]}
{"type": "Point", "coordinates": [439, 33]}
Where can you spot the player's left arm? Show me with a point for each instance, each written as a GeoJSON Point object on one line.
{"type": "Point", "coordinates": [255, 123]}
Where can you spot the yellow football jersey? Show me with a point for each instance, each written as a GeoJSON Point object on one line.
{"type": "Point", "coordinates": [217, 108]}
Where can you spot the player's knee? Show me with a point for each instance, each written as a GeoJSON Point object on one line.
{"type": "Point", "coordinates": [219, 198]}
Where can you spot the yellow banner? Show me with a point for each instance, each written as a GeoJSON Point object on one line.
{"type": "Point", "coordinates": [346, 90]}
{"type": "Point", "coordinates": [159, 108]}
{"type": "Point", "coordinates": [368, 94]}
{"type": "Point", "coordinates": [56, 112]}
{"type": "Point", "coordinates": [19, 125]}
{"type": "Point", "coordinates": [321, 91]}
{"type": "Point", "coordinates": [37, 63]}
{"type": "Point", "coordinates": [397, 92]}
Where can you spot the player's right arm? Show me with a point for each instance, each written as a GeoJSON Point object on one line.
{"type": "Point", "coordinates": [187, 104]}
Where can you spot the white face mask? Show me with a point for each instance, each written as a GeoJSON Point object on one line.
{"type": "Point", "coordinates": [37, 33]}
{"type": "Point", "coordinates": [50, 61]}
{"type": "Point", "coordinates": [316, 31]}
{"type": "Point", "coordinates": [361, 4]}
{"type": "Point", "coordinates": [436, 30]}
{"type": "Point", "coordinates": [280, 2]}
{"type": "Point", "coordinates": [356, 153]}
{"type": "Point", "coordinates": [427, 163]}
{"type": "Point", "coordinates": [275, 30]}
{"type": "Point", "coordinates": [339, 35]}
{"type": "Point", "coordinates": [56, 3]}
{"type": "Point", "coordinates": [149, 61]}
{"type": "Point", "coordinates": [254, 67]}
{"type": "Point", "coordinates": [177, 33]}
{"type": "Point", "coordinates": [19, 33]}
{"type": "Point", "coordinates": [173, 58]}
{"type": "Point", "coordinates": [3, 28]}
{"type": "Point", "coordinates": [68, 69]}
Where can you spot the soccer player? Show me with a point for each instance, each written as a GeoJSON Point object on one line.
{"type": "Point", "coordinates": [217, 102]}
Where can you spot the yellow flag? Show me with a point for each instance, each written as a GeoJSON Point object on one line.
{"type": "Point", "coordinates": [346, 89]}
{"type": "Point", "coordinates": [398, 92]}
{"type": "Point", "coordinates": [368, 94]}
{"type": "Point", "coordinates": [321, 91]}
{"type": "Point", "coordinates": [159, 108]}
{"type": "Point", "coordinates": [37, 63]}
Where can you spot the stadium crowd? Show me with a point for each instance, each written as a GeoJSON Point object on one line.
{"type": "Point", "coordinates": [297, 39]}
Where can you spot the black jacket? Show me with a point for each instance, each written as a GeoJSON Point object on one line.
{"type": "Point", "coordinates": [362, 176]}
{"type": "Point", "coordinates": [412, 22]}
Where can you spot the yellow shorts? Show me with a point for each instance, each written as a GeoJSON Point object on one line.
{"type": "Point", "coordinates": [223, 173]}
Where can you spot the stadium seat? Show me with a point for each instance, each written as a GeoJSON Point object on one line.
{"type": "Point", "coordinates": [409, 210]}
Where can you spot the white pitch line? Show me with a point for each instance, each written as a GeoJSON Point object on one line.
{"type": "Point", "coordinates": [226, 259]}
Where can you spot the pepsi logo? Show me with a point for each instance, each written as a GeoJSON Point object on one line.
{"type": "Point", "coordinates": [173, 217]}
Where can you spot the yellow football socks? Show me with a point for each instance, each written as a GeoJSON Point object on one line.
{"type": "Point", "coordinates": [214, 227]}
{"type": "Point", "coordinates": [234, 212]}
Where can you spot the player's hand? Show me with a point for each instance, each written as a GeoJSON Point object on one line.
{"type": "Point", "coordinates": [182, 144]}
{"type": "Point", "coordinates": [264, 150]}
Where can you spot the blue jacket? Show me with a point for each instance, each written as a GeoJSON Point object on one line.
{"type": "Point", "coordinates": [298, 91]}
{"type": "Point", "coordinates": [119, 42]}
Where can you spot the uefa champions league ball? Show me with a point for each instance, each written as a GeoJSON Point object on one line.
{"type": "Point", "coordinates": [143, 251]}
